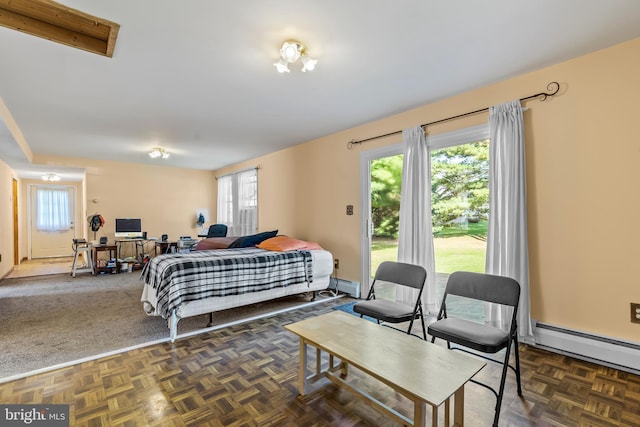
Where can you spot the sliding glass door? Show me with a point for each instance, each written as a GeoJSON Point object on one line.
{"type": "Point", "coordinates": [460, 201]}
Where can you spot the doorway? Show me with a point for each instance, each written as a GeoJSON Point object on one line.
{"type": "Point", "coordinates": [459, 181]}
{"type": "Point", "coordinates": [16, 246]}
{"type": "Point", "coordinates": [52, 219]}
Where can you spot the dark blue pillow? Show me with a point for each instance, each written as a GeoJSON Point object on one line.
{"type": "Point", "coordinates": [253, 239]}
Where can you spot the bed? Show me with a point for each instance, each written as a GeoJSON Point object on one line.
{"type": "Point", "coordinates": [181, 285]}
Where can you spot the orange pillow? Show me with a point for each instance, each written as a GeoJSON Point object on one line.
{"type": "Point", "coordinates": [284, 243]}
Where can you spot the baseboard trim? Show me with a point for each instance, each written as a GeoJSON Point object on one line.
{"type": "Point", "coordinates": [346, 286]}
{"type": "Point", "coordinates": [6, 274]}
{"type": "Point", "coordinates": [614, 353]}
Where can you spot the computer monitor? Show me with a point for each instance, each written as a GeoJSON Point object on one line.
{"type": "Point", "coordinates": [128, 228]}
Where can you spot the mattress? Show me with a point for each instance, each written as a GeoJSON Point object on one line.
{"type": "Point", "coordinates": [163, 282]}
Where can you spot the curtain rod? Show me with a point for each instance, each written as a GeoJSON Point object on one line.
{"type": "Point", "coordinates": [256, 167]}
{"type": "Point", "coordinates": [553, 88]}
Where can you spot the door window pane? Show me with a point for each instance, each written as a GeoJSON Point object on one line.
{"type": "Point", "coordinates": [53, 210]}
{"type": "Point", "coordinates": [460, 210]}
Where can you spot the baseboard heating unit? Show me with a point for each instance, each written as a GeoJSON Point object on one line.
{"type": "Point", "coordinates": [345, 286]}
{"type": "Point", "coordinates": [614, 353]}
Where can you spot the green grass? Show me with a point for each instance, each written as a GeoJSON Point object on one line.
{"type": "Point", "coordinates": [473, 229]}
{"type": "Point", "coordinates": [468, 259]}
{"type": "Point", "coordinates": [450, 255]}
{"type": "Point", "coordinates": [448, 259]}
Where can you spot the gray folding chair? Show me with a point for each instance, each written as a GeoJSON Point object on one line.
{"type": "Point", "coordinates": [400, 274]}
{"type": "Point", "coordinates": [477, 336]}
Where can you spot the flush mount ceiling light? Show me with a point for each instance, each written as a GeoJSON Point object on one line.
{"type": "Point", "coordinates": [158, 152]}
{"type": "Point", "coordinates": [292, 51]}
{"type": "Point", "coordinates": [51, 177]}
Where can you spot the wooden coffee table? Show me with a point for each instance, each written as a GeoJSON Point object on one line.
{"type": "Point", "coordinates": [424, 373]}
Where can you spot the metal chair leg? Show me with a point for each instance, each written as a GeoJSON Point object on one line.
{"type": "Point", "coordinates": [517, 355]}
{"type": "Point", "coordinates": [503, 380]}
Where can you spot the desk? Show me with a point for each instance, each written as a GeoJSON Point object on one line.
{"type": "Point", "coordinates": [165, 247]}
{"type": "Point", "coordinates": [112, 253]}
{"type": "Point", "coordinates": [419, 370]}
{"type": "Point", "coordinates": [138, 247]}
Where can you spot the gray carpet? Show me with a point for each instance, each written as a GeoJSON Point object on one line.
{"type": "Point", "coordinates": [56, 319]}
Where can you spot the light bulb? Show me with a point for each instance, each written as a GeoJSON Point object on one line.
{"type": "Point", "coordinates": [290, 51]}
{"type": "Point", "coordinates": [308, 64]}
{"type": "Point", "coordinates": [158, 152]}
{"type": "Point", "coordinates": [52, 177]}
{"type": "Point", "coordinates": [282, 66]}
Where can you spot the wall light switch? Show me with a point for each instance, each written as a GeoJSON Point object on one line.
{"type": "Point", "coordinates": [349, 209]}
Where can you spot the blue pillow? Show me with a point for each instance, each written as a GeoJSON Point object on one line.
{"type": "Point", "coordinates": [253, 239]}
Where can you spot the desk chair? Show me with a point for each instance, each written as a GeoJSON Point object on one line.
{"type": "Point", "coordinates": [478, 336]}
{"type": "Point", "coordinates": [84, 248]}
{"type": "Point", "coordinates": [217, 230]}
{"type": "Point", "coordinates": [400, 274]}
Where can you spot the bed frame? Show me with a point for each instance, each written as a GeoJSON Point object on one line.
{"type": "Point", "coordinates": [322, 270]}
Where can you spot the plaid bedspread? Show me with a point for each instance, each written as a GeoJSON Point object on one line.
{"type": "Point", "coordinates": [179, 278]}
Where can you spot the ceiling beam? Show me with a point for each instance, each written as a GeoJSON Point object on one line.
{"type": "Point", "coordinates": [53, 21]}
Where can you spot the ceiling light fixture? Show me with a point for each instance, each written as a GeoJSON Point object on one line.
{"type": "Point", "coordinates": [158, 152]}
{"type": "Point", "coordinates": [292, 51]}
{"type": "Point", "coordinates": [51, 177]}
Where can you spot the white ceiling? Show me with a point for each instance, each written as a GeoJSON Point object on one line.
{"type": "Point", "coordinates": [197, 78]}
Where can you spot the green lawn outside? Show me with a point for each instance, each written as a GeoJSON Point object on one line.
{"type": "Point", "coordinates": [460, 259]}
{"type": "Point", "coordinates": [456, 249]}
{"type": "Point", "coordinates": [448, 260]}
{"type": "Point", "coordinates": [472, 229]}
{"type": "Point", "coordinates": [466, 253]}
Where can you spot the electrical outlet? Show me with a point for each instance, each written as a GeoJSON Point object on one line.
{"type": "Point", "coordinates": [635, 312]}
{"type": "Point", "coordinates": [336, 263]}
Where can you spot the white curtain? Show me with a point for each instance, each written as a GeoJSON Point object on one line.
{"type": "Point", "coordinates": [225, 202]}
{"type": "Point", "coordinates": [247, 221]}
{"type": "Point", "coordinates": [415, 236]}
{"type": "Point", "coordinates": [238, 202]}
{"type": "Point", "coordinates": [507, 242]}
{"type": "Point", "coordinates": [53, 209]}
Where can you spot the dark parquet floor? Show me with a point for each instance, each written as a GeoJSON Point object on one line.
{"type": "Point", "coordinates": [246, 375]}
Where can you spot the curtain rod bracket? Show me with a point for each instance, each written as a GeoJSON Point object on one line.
{"type": "Point", "coordinates": [542, 96]}
{"type": "Point", "coordinates": [552, 88]}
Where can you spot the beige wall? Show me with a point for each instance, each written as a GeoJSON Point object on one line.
{"type": "Point", "coordinates": [582, 157]}
{"type": "Point", "coordinates": [165, 198]}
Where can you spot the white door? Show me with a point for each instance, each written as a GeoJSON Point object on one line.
{"type": "Point", "coordinates": [372, 256]}
{"type": "Point", "coordinates": [52, 220]}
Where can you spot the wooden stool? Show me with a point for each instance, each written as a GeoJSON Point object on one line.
{"type": "Point", "coordinates": [85, 249]}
